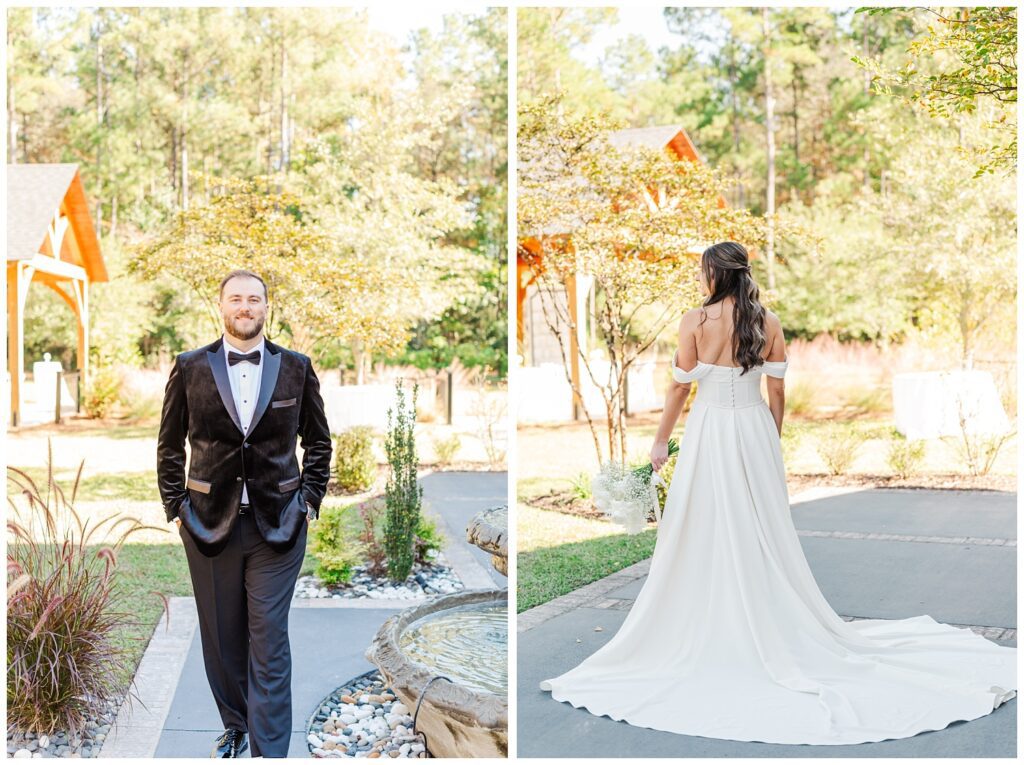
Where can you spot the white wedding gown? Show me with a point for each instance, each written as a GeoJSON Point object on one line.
{"type": "Point", "coordinates": [730, 636]}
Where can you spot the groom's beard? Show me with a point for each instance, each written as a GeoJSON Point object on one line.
{"type": "Point", "coordinates": [236, 326]}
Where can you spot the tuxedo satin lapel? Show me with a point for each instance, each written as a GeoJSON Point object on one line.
{"type": "Point", "coordinates": [220, 375]}
{"type": "Point", "coordinates": [268, 381]}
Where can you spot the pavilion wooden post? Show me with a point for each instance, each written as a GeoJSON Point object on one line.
{"type": "Point", "coordinates": [524, 275]}
{"type": "Point", "coordinates": [82, 298]}
{"type": "Point", "coordinates": [15, 338]}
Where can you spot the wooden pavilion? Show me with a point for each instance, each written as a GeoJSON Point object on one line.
{"type": "Point", "coordinates": [50, 241]}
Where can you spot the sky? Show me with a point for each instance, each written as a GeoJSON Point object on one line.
{"type": "Point", "coordinates": [646, 21]}
{"type": "Point", "coordinates": [399, 22]}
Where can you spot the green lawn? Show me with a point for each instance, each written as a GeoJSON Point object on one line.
{"type": "Point", "coordinates": [137, 487]}
{"type": "Point", "coordinates": [116, 429]}
{"type": "Point", "coordinates": [142, 570]}
{"type": "Point", "coordinates": [560, 553]}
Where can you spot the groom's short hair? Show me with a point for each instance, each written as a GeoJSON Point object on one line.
{"type": "Point", "coordinates": [243, 272]}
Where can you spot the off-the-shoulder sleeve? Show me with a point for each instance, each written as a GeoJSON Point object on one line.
{"type": "Point", "coordinates": [776, 368]}
{"type": "Point", "coordinates": [682, 376]}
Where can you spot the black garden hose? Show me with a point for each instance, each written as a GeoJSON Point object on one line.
{"type": "Point", "coordinates": [416, 714]}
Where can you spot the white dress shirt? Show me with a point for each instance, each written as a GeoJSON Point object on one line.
{"type": "Point", "coordinates": [245, 387]}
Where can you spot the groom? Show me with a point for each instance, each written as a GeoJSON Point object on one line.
{"type": "Point", "coordinates": [243, 509]}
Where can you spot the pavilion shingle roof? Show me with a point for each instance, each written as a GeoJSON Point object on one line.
{"type": "Point", "coordinates": [34, 194]}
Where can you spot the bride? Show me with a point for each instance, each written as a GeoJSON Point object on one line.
{"type": "Point", "coordinates": [730, 636]}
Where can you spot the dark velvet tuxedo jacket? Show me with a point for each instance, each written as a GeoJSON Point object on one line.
{"type": "Point", "coordinates": [198, 405]}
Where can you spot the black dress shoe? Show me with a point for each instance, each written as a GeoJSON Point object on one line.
{"type": "Point", "coordinates": [231, 744]}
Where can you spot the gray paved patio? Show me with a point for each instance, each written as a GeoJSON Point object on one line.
{"type": "Point", "coordinates": [959, 582]}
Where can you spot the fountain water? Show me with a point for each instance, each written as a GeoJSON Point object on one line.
{"type": "Point", "coordinates": [448, 659]}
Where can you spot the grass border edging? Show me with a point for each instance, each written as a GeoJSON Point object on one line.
{"type": "Point", "coordinates": [580, 598]}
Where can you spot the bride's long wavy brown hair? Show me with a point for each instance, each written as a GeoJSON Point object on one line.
{"type": "Point", "coordinates": [728, 265]}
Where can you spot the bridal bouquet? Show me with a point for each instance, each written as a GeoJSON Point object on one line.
{"type": "Point", "coordinates": [626, 494]}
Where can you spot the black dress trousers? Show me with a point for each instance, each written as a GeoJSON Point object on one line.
{"type": "Point", "coordinates": [243, 596]}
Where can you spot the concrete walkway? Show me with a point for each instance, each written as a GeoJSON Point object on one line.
{"type": "Point", "coordinates": [456, 498]}
{"type": "Point", "coordinates": [328, 639]}
{"type": "Point", "coordinates": [876, 554]}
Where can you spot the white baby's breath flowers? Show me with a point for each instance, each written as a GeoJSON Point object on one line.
{"type": "Point", "coordinates": [625, 496]}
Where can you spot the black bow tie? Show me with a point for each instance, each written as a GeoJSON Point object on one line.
{"type": "Point", "coordinates": [234, 358]}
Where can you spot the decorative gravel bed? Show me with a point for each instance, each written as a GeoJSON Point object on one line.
{"type": "Point", "coordinates": [86, 743]}
{"type": "Point", "coordinates": [363, 718]}
{"type": "Point", "coordinates": [426, 580]}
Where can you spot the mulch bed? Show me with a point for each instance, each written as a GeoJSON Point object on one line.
{"type": "Point", "coordinates": [570, 504]}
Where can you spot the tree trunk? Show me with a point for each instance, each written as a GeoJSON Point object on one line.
{"type": "Point", "coordinates": [99, 76]}
{"type": "Point", "coordinates": [270, 113]}
{"type": "Point", "coordinates": [359, 361]}
{"type": "Point", "coordinates": [12, 114]}
{"type": "Point", "coordinates": [796, 119]}
{"type": "Point", "coordinates": [866, 52]}
{"type": "Point", "coordinates": [184, 177]}
{"type": "Point", "coordinates": [623, 393]}
{"type": "Point", "coordinates": [174, 159]}
{"type": "Point", "coordinates": [769, 109]}
{"type": "Point", "coordinates": [285, 144]}
{"type": "Point", "coordinates": [184, 137]}
{"type": "Point", "coordinates": [99, 130]}
{"type": "Point", "coordinates": [740, 200]}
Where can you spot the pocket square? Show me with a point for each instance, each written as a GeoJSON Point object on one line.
{"type": "Point", "coordinates": [286, 402]}
{"type": "Point", "coordinates": [195, 484]}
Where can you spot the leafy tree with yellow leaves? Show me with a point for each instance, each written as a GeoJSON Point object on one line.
{"type": "Point", "coordinates": [634, 221]}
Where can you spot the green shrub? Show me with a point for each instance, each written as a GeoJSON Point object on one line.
{"type": "Point", "coordinates": [979, 451]}
{"type": "Point", "coordinates": [790, 442]}
{"type": "Point", "coordinates": [838, 447]}
{"type": "Point", "coordinates": [102, 390]}
{"type": "Point", "coordinates": [905, 457]}
{"type": "Point", "coordinates": [140, 405]}
{"type": "Point", "coordinates": [581, 486]}
{"type": "Point", "coordinates": [336, 544]}
{"type": "Point", "coordinates": [402, 494]}
{"type": "Point", "coordinates": [64, 656]}
{"type": "Point", "coordinates": [801, 399]}
{"type": "Point", "coordinates": [371, 513]}
{"type": "Point", "coordinates": [863, 399]}
{"type": "Point", "coordinates": [355, 466]}
{"type": "Point", "coordinates": [428, 540]}
{"type": "Point", "coordinates": [446, 448]}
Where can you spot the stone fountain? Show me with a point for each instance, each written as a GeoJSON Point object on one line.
{"type": "Point", "coordinates": [448, 658]}
{"type": "Point", "coordinates": [489, 531]}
